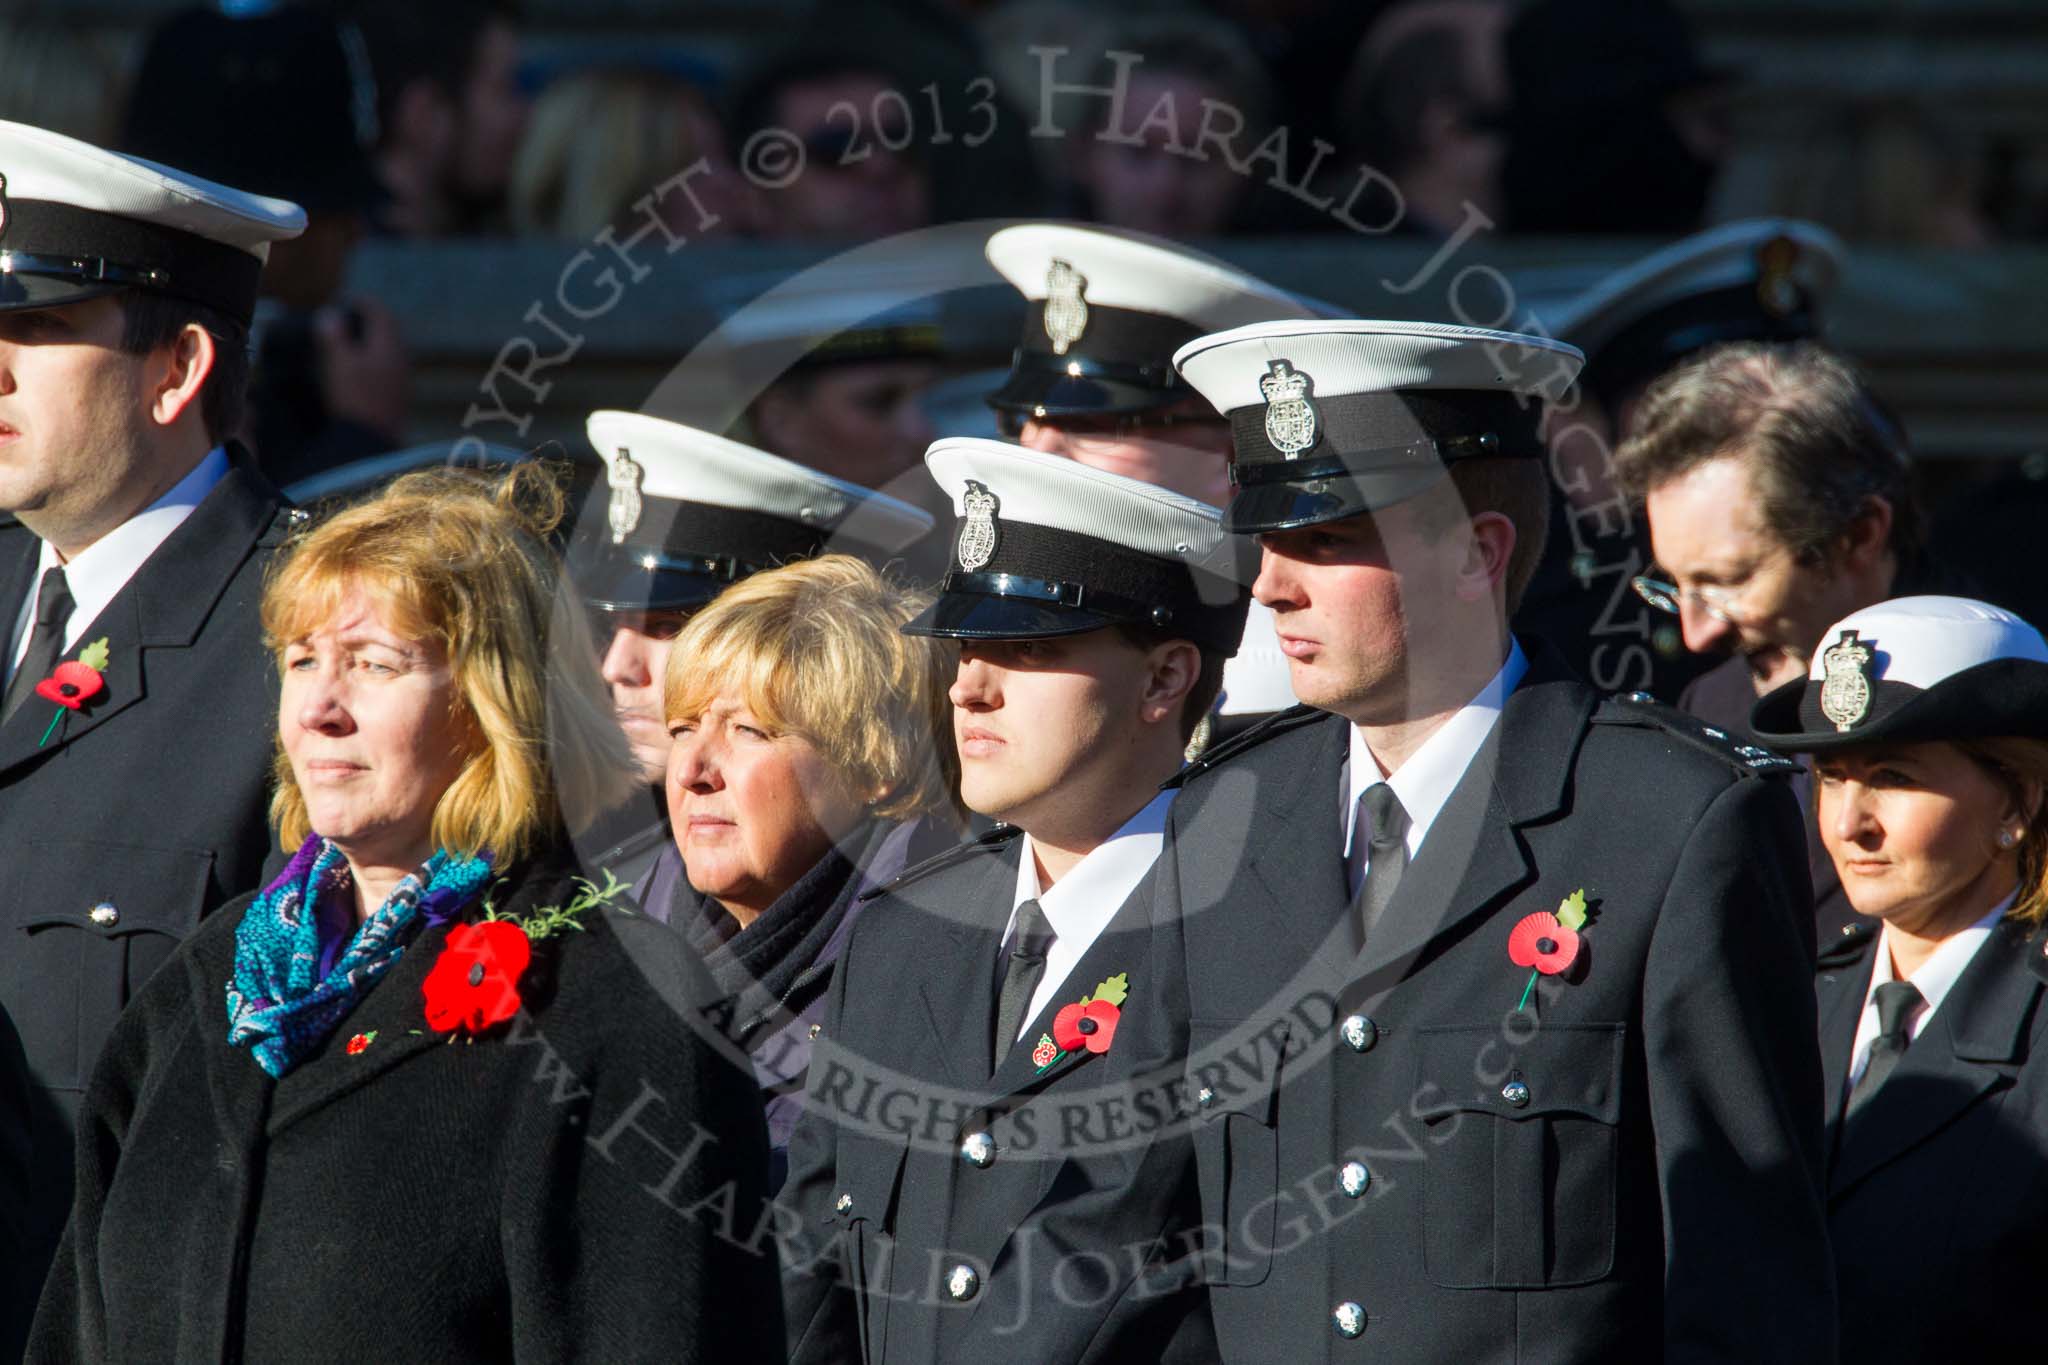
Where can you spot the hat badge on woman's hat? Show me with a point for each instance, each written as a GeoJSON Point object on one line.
{"type": "Point", "coordinates": [1846, 689]}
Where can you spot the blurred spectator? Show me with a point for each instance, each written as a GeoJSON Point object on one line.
{"type": "Point", "coordinates": [278, 104]}
{"type": "Point", "coordinates": [601, 140]}
{"type": "Point", "coordinates": [1890, 172]}
{"type": "Point", "coordinates": [58, 78]}
{"type": "Point", "coordinates": [1421, 105]}
{"type": "Point", "coordinates": [1615, 124]}
{"type": "Point", "coordinates": [1152, 174]}
{"type": "Point", "coordinates": [449, 110]}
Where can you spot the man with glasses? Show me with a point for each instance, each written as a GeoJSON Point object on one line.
{"type": "Point", "coordinates": [1779, 499]}
{"type": "Point", "coordinates": [1092, 380]}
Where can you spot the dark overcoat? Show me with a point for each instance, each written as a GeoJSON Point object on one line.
{"type": "Point", "coordinates": [149, 803]}
{"type": "Point", "coordinates": [945, 1207]}
{"type": "Point", "coordinates": [1626, 1168]}
{"type": "Point", "coordinates": [581, 1182]}
{"type": "Point", "coordinates": [1938, 1188]}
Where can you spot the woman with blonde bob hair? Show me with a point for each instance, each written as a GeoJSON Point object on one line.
{"type": "Point", "coordinates": [812, 760]}
{"type": "Point", "coordinates": [277, 1105]}
{"type": "Point", "coordinates": [1927, 722]}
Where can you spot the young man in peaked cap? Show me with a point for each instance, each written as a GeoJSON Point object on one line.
{"type": "Point", "coordinates": [989, 1165]}
{"type": "Point", "coordinates": [1500, 1035]}
{"type": "Point", "coordinates": [138, 538]}
{"type": "Point", "coordinates": [685, 515]}
{"type": "Point", "coordinates": [1092, 379]}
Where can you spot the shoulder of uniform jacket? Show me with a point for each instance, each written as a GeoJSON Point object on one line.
{"type": "Point", "coordinates": [994, 840]}
{"type": "Point", "coordinates": [1280, 723]}
{"type": "Point", "coordinates": [1846, 949]}
{"type": "Point", "coordinates": [1738, 751]}
{"type": "Point", "coordinates": [285, 523]}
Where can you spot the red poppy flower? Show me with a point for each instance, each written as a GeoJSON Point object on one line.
{"type": "Point", "coordinates": [71, 684]}
{"type": "Point", "coordinates": [1091, 1026]}
{"type": "Point", "coordinates": [475, 982]}
{"type": "Point", "coordinates": [1045, 1054]}
{"type": "Point", "coordinates": [359, 1042]}
{"type": "Point", "coordinates": [1539, 941]}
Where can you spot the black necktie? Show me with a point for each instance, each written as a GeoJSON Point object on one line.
{"type": "Point", "coordinates": [1896, 1001]}
{"type": "Point", "coordinates": [1387, 856]}
{"type": "Point", "coordinates": [1021, 973]}
{"type": "Point", "coordinates": [45, 641]}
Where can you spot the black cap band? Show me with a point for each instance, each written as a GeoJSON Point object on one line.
{"type": "Point", "coordinates": [103, 251]}
{"type": "Point", "coordinates": [682, 554]}
{"type": "Point", "coordinates": [1121, 362]}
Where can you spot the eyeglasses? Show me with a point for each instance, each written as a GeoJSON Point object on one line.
{"type": "Point", "coordinates": [1723, 604]}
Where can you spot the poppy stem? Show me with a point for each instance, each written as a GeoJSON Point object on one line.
{"type": "Point", "coordinates": [1526, 989]}
{"type": "Point", "coordinates": [53, 728]}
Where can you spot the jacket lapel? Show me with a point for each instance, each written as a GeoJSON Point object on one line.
{"type": "Point", "coordinates": [1302, 873]}
{"type": "Point", "coordinates": [1972, 1045]}
{"type": "Point", "coordinates": [1473, 854]}
{"type": "Point", "coordinates": [957, 986]}
{"type": "Point", "coordinates": [1841, 1009]}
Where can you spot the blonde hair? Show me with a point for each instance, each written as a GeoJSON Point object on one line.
{"type": "Point", "coordinates": [2021, 767]}
{"type": "Point", "coordinates": [599, 141]}
{"type": "Point", "coordinates": [814, 649]}
{"type": "Point", "coordinates": [459, 559]}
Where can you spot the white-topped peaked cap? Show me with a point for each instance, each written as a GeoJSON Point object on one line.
{"type": "Point", "coordinates": [1107, 310]}
{"type": "Point", "coordinates": [1914, 668]}
{"type": "Point", "coordinates": [689, 512]}
{"type": "Point", "coordinates": [77, 221]}
{"type": "Point", "coordinates": [1761, 279]}
{"type": "Point", "coordinates": [1333, 418]}
{"type": "Point", "coordinates": [1043, 546]}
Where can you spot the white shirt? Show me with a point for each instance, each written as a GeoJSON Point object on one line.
{"type": "Point", "coordinates": [99, 571]}
{"type": "Point", "coordinates": [1429, 776]}
{"type": "Point", "coordinates": [1936, 977]}
{"type": "Point", "coordinates": [1088, 897]}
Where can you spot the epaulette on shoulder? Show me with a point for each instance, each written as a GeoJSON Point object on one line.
{"type": "Point", "coordinates": [1846, 950]}
{"type": "Point", "coordinates": [1641, 709]}
{"type": "Point", "coordinates": [959, 853]}
{"type": "Point", "coordinates": [286, 523]}
{"type": "Point", "coordinates": [1279, 723]}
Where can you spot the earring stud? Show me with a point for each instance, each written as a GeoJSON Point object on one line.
{"type": "Point", "coordinates": [2006, 838]}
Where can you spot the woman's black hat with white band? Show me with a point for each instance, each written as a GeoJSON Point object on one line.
{"type": "Point", "coordinates": [1911, 670]}
{"type": "Point", "coordinates": [1331, 419]}
{"type": "Point", "coordinates": [1047, 547]}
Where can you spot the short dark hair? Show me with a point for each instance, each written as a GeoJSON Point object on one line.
{"type": "Point", "coordinates": [1518, 489]}
{"type": "Point", "coordinates": [1208, 681]}
{"type": "Point", "coordinates": [411, 40]}
{"type": "Point", "coordinates": [1817, 443]}
{"type": "Point", "coordinates": [152, 320]}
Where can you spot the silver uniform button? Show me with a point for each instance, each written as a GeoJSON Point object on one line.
{"type": "Point", "coordinates": [1516, 1094]}
{"type": "Point", "coordinates": [1360, 1033]}
{"type": "Point", "coordinates": [979, 1149]}
{"type": "Point", "coordinates": [1354, 1178]}
{"type": "Point", "coordinates": [1349, 1319]}
{"type": "Point", "coordinates": [962, 1283]}
{"type": "Point", "coordinates": [845, 1203]}
{"type": "Point", "coordinates": [105, 915]}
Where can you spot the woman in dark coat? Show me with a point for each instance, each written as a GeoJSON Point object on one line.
{"type": "Point", "coordinates": [416, 1099]}
{"type": "Point", "coordinates": [1927, 719]}
{"type": "Point", "coordinates": [812, 760]}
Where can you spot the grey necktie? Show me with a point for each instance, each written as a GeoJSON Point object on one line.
{"type": "Point", "coordinates": [45, 641]}
{"type": "Point", "coordinates": [1022, 971]}
{"type": "Point", "coordinates": [1387, 856]}
{"type": "Point", "coordinates": [1896, 1002]}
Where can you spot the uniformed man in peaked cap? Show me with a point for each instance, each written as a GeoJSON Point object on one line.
{"type": "Point", "coordinates": [133, 536]}
{"type": "Point", "coordinates": [1092, 379]}
{"type": "Point", "coordinates": [685, 514]}
{"type": "Point", "coordinates": [1499, 1038]}
{"type": "Point", "coordinates": [1015, 998]}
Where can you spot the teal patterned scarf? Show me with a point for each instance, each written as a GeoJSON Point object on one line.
{"type": "Point", "coordinates": [281, 1006]}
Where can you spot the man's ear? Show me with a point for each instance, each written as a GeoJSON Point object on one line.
{"type": "Point", "coordinates": [178, 372]}
{"type": "Point", "coordinates": [1488, 548]}
{"type": "Point", "coordinates": [1171, 672]}
{"type": "Point", "coordinates": [1869, 536]}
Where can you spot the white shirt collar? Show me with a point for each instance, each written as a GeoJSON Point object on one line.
{"type": "Point", "coordinates": [1430, 774]}
{"type": "Point", "coordinates": [1082, 903]}
{"type": "Point", "coordinates": [99, 571]}
{"type": "Point", "coordinates": [1935, 978]}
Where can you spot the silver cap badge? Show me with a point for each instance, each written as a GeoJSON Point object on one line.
{"type": "Point", "coordinates": [1846, 692]}
{"type": "Point", "coordinates": [1066, 312]}
{"type": "Point", "coordinates": [978, 532]}
{"type": "Point", "coordinates": [1290, 416]}
{"type": "Point", "coordinates": [624, 476]}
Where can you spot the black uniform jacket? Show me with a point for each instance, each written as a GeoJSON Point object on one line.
{"type": "Point", "coordinates": [554, 1190]}
{"type": "Point", "coordinates": [1938, 1189]}
{"type": "Point", "coordinates": [1626, 1169]}
{"type": "Point", "coordinates": [1055, 1242]}
{"type": "Point", "coordinates": [150, 802]}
